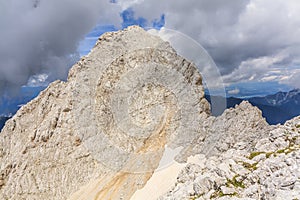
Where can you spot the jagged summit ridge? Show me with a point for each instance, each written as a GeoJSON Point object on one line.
{"type": "Point", "coordinates": [102, 134]}
{"type": "Point", "coordinates": [107, 125]}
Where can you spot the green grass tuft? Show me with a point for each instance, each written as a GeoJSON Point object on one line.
{"type": "Point", "coordinates": [254, 154]}
{"type": "Point", "coordinates": [235, 182]}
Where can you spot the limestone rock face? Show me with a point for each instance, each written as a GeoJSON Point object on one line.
{"type": "Point", "coordinates": [271, 170]}
{"type": "Point", "coordinates": [237, 127]}
{"type": "Point", "coordinates": [125, 107]}
{"type": "Point", "coordinates": [101, 134]}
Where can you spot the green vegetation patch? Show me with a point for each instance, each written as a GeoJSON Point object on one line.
{"type": "Point", "coordinates": [235, 182]}
{"type": "Point", "coordinates": [219, 193]}
{"type": "Point", "coordinates": [196, 196]}
{"type": "Point", "coordinates": [249, 166]}
{"type": "Point", "coordinates": [292, 147]}
{"type": "Point", "coordinates": [254, 154]}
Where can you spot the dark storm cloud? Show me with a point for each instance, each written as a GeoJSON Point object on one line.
{"type": "Point", "coordinates": [237, 33]}
{"type": "Point", "coordinates": [40, 36]}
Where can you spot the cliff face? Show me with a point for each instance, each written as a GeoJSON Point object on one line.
{"type": "Point", "coordinates": [101, 134]}
{"type": "Point", "coordinates": [106, 131]}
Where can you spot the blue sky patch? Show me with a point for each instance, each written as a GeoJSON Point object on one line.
{"type": "Point", "coordinates": [159, 23]}
{"type": "Point", "coordinates": [90, 39]}
{"type": "Point", "coordinates": [129, 19]}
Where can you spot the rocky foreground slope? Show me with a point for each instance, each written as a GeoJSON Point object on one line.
{"type": "Point", "coordinates": [269, 169]}
{"type": "Point", "coordinates": [103, 133]}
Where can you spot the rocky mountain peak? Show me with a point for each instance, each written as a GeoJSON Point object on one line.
{"type": "Point", "coordinates": [104, 133]}
{"type": "Point", "coordinates": [107, 125]}
{"type": "Point", "coordinates": [282, 98]}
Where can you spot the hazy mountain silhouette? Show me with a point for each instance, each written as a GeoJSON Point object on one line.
{"type": "Point", "coordinates": [276, 108]}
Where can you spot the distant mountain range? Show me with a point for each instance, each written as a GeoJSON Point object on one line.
{"type": "Point", "coordinates": [276, 108]}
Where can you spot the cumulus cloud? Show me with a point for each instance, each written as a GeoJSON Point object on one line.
{"type": "Point", "coordinates": [41, 37]}
{"type": "Point", "coordinates": [239, 35]}
{"type": "Point", "coordinates": [38, 80]}
{"type": "Point", "coordinates": [250, 40]}
{"type": "Point", "coordinates": [255, 69]}
{"type": "Point", "coordinates": [293, 78]}
{"type": "Point", "coordinates": [234, 91]}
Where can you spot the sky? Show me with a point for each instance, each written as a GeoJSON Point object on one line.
{"type": "Point", "coordinates": [249, 40]}
{"type": "Point", "coordinates": [253, 43]}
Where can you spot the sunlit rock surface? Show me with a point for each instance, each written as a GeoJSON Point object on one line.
{"type": "Point", "coordinates": [131, 122]}
{"type": "Point", "coordinates": [101, 134]}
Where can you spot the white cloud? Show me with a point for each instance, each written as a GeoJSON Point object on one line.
{"type": "Point", "coordinates": [38, 80]}
{"type": "Point", "coordinates": [239, 35]}
{"type": "Point", "coordinates": [292, 78]}
{"type": "Point", "coordinates": [234, 91]}
{"type": "Point", "coordinates": [269, 78]}
{"type": "Point", "coordinates": [39, 36]}
{"type": "Point", "coordinates": [248, 40]}
{"type": "Point", "coordinates": [124, 4]}
{"type": "Point", "coordinates": [256, 69]}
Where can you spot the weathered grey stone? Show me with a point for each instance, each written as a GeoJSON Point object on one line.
{"type": "Point", "coordinates": [236, 126]}
{"type": "Point", "coordinates": [202, 185]}
{"type": "Point", "coordinates": [270, 171]}
{"type": "Point", "coordinates": [227, 190]}
{"type": "Point", "coordinates": [101, 134]}
{"type": "Point", "coordinates": [107, 125]}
